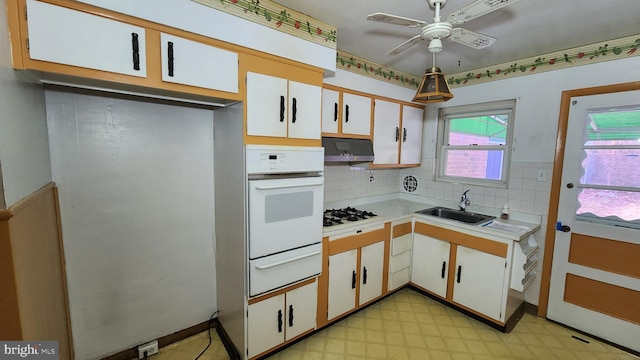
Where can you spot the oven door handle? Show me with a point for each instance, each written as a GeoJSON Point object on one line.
{"type": "Point", "coordinates": [273, 187]}
{"type": "Point", "coordinates": [278, 263]}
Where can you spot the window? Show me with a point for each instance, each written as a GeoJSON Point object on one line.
{"type": "Point", "coordinates": [474, 142]}
{"type": "Point", "coordinates": [610, 182]}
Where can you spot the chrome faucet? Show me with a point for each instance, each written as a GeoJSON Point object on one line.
{"type": "Point", "coordinates": [464, 201]}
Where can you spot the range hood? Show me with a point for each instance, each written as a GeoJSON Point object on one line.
{"type": "Point", "coordinates": [347, 150]}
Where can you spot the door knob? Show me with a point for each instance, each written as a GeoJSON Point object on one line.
{"type": "Point", "coordinates": [563, 228]}
{"type": "Point", "coordinates": [570, 185]}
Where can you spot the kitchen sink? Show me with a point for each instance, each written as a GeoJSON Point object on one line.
{"type": "Point", "coordinates": [453, 214]}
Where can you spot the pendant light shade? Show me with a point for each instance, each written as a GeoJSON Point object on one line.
{"type": "Point", "coordinates": [433, 87]}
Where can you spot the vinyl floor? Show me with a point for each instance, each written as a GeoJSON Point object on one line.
{"type": "Point", "coordinates": [408, 325]}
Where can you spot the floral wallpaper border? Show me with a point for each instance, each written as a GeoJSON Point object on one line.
{"type": "Point", "coordinates": [278, 17]}
{"type": "Point", "coordinates": [599, 52]}
{"type": "Point", "coordinates": [360, 66]}
{"type": "Point", "coordinates": [603, 51]}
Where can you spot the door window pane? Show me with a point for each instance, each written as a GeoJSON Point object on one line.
{"type": "Point", "coordinates": [610, 182]}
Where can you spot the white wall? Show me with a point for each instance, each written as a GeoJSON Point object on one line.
{"type": "Point", "coordinates": [135, 178]}
{"type": "Point", "coordinates": [352, 81]}
{"type": "Point", "coordinates": [24, 150]}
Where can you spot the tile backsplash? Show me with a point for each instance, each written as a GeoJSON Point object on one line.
{"type": "Point", "coordinates": [528, 191]}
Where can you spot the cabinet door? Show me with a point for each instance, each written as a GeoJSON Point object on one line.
{"type": "Point", "coordinates": [356, 114]}
{"type": "Point", "coordinates": [305, 104]}
{"type": "Point", "coordinates": [192, 63]}
{"type": "Point", "coordinates": [64, 36]}
{"type": "Point", "coordinates": [479, 282]}
{"type": "Point", "coordinates": [430, 264]}
{"type": "Point", "coordinates": [371, 264]}
{"type": "Point", "coordinates": [411, 135]}
{"type": "Point", "coordinates": [330, 111]}
{"type": "Point", "coordinates": [266, 324]}
{"type": "Point", "coordinates": [386, 132]}
{"type": "Point", "coordinates": [301, 310]}
{"type": "Point", "coordinates": [266, 105]}
{"type": "Point", "coordinates": [342, 283]}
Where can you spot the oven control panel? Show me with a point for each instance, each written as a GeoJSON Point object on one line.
{"type": "Point", "coordinates": [270, 159]}
{"type": "Point", "coordinates": [273, 161]}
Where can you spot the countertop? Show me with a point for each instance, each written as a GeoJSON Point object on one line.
{"type": "Point", "coordinates": [402, 209]}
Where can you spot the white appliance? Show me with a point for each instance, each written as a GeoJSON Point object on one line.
{"type": "Point", "coordinates": [285, 209]}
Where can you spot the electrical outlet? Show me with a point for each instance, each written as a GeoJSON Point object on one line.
{"type": "Point", "coordinates": [151, 348]}
{"type": "Point", "coordinates": [542, 175]}
{"type": "Point", "coordinates": [371, 178]}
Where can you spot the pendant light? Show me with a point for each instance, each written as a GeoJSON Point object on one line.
{"type": "Point", "coordinates": [433, 87]}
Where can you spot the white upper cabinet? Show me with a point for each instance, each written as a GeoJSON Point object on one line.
{"type": "Point", "coordinates": [356, 114]}
{"type": "Point", "coordinates": [386, 132]}
{"type": "Point", "coordinates": [411, 135]}
{"type": "Point", "coordinates": [192, 63]}
{"type": "Point", "coordinates": [266, 105]}
{"type": "Point", "coordinates": [70, 37]}
{"type": "Point", "coordinates": [397, 133]}
{"type": "Point", "coordinates": [304, 110]}
{"type": "Point", "coordinates": [278, 107]}
{"type": "Point", "coordinates": [330, 110]}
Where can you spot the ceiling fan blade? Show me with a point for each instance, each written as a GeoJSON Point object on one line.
{"type": "Point", "coordinates": [404, 46]}
{"type": "Point", "coordinates": [471, 38]}
{"type": "Point", "coordinates": [397, 20]}
{"type": "Point", "coordinates": [477, 9]}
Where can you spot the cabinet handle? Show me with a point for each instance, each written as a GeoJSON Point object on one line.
{"type": "Point", "coordinates": [404, 134]}
{"type": "Point", "coordinates": [279, 321]}
{"type": "Point", "coordinates": [335, 112]}
{"type": "Point", "coordinates": [135, 46]}
{"type": "Point", "coordinates": [170, 57]}
{"type": "Point", "coordinates": [459, 273]}
{"type": "Point", "coordinates": [364, 275]}
{"type": "Point", "coordinates": [346, 118]}
{"type": "Point", "coordinates": [295, 110]}
{"type": "Point", "coordinates": [397, 133]}
{"type": "Point", "coordinates": [444, 266]}
{"type": "Point", "coordinates": [281, 108]}
{"type": "Point", "coordinates": [290, 315]}
{"type": "Point", "coordinates": [353, 280]}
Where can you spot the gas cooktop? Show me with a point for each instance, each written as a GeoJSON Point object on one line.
{"type": "Point", "coordinates": [344, 216]}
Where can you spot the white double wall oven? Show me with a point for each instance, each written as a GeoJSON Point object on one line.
{"type": "Point", "coordinates": [285, 207]}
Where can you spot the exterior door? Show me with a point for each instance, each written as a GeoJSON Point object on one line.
{"type": "Point", "coordinates": [595, 276]}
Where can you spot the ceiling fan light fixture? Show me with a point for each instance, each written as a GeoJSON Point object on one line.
{"type": "Point", "coordinates": [433, 88]}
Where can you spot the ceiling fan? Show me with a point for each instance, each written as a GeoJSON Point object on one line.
{"type": "Point", "coordinates": [439, 30]}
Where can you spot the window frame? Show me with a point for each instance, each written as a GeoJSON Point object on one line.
{"type": "Point", "coordinates": [445, 114]}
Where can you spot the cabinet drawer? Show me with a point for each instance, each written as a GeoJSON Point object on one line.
{"type": "Point", "coordinates": [401, 244]}
{"type": "Point", "coordinates": [400, 262]}
{"type": "Point", "coordinates": [399, 278]}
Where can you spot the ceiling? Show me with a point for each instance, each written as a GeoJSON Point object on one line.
{"type": "Point", "coordinates": [523, 29]}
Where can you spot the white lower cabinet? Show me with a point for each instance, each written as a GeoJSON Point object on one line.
{"type": "Point", "coordinates": [280, 318]}
{"type": "Point", "coordinates": [463, 269]}
{"type": "Point", "coordinates": [479, 282]}
{"type": "Point", "coordinates": [371, 264]}
{"type": "Point", "coordinates": [345, 276]}
{"type": "Point", "coordinates": [430, 264]}
{"type": "Point", "coordinates": [342, 283]}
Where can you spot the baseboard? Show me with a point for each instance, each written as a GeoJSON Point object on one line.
{"type": "Point", "coordinates": [226, 341]}
{"type": "Point", "coordinates": [165, 340]}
